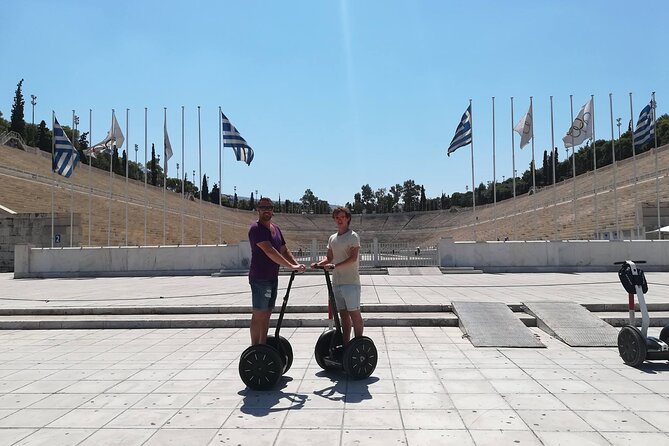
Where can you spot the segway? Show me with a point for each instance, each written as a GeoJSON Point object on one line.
{"type": "Point", "coordinates": [634, 345]}
{"type": "Point", "coordinates": [358, 359]}
{"type": "Point", "coordinates": [261, 366]}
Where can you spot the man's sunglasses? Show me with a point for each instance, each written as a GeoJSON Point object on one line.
{"type": "Point", "coordinates": [265, 208]}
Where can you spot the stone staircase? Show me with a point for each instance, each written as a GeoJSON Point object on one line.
{"type": "Point", "coordinates": [375, 315]}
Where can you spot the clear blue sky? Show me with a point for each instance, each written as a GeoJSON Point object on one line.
{"type": "Point", "coordinates": [333, 95]}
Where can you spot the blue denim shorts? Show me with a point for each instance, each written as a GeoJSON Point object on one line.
{"type": "Point", "coordinates": [263, 293]}
{"type": "Point", "coordinates": [347, 297]}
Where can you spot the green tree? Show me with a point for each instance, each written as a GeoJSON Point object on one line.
{"type": "Point", "coordinates": [367, 198]}
{"type": "Point", "coordinates": [215, 194]}
{"type": "Point", "coordinates": [423, 200]}
{"type": "Point", "coordinates": [18, 123]}
{"type": "Point", "coordinates": [396, 193]}
{"type": "Point", "coordinates": [357, 204]}
{"type": "Point", "coordinates": [309, 201]}
{"type": "Point", "coordinates": [410, 194]}
{"type": "Point", "coordinates": [124, 162]}
{"type": "Point", "coordinates": [4, 124]}
{"type": "Point", "coordinates": [252, 202]}
{"type": "Point", "coordinates": [205, 188]}
{"type": "Point", "coordinates": [82, 146]}
{"type": "Point", "coordinates": [44, 137]}
{"type": "Point", "coordinates": [153, 168]}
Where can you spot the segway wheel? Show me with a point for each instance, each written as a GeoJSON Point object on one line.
{"type": "Point", "coordinates": [631, 346]}
{"type": "Point", "coordinates": [284, 348]}
{"type": "Point", "coordinates": [260, 367]}
{"type": "Point", "coordinates": [360, 358]}
{"type": "Point", "coordinates": [322, 348]}
{"type": "Point", "coordinates": [664, 335]}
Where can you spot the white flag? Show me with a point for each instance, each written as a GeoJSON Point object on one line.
{"type": "Point", "coordinates": [524, 128]}
{"type": "Point", "coordinates": [114, 137]}
{"type": "Point", "coordinates": [581, 129]}
{"type": "Point", "coordinates": [168, 148]}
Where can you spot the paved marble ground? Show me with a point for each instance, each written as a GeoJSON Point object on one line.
{"type": "Point", "coordinates": [590, 288]}
{"type": "Point", "coordinates": [431, 386]}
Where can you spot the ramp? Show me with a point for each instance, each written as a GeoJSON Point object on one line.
{"type": "Point", "coordinates": [414, 271]}
{"type": "Point", "coordinates": [493, 324]}
{"type": "Point", "coordinates": [573, 324]}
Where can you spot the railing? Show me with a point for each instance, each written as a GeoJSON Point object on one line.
{"type": "Point", "coordinates": [9, 135]}
{"type": "Point", "coordinates": [374, 254]}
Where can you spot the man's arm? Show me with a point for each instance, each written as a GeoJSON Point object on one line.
{"type": "Point", "coordinates": [326, 261]}
{"type": "Point", "coordinates": [351, 258]}
{"type": "Point", "coordinates": [278, 257]}
{"type": "Point", "coordinates": [285, 252]}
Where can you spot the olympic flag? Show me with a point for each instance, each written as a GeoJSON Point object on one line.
{"type": "Point", "coordinates": [581, 128]}
{"type": "Point", "coordinates": [524, 128]}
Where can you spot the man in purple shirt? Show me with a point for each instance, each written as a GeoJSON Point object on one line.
{"type": "Point", "coordinates": [268, 252]}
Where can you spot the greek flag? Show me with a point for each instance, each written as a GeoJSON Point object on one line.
{"type": "Point", "coordinates": [645, 126]}
{"type": "Point", "coordinates": [65, 156]}
{"type": "Point", "coordinates": [232, 138]}
{"type": "Point", "coordinates": [463, 134]}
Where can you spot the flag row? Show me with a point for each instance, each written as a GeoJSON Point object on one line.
{"type": "Point", "coordinates": [580, 130]}
{"type": "Point", "coordinates": [65, 157]}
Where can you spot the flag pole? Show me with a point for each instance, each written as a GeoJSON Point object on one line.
{"type": "Point", "coordinates": [494, 172]}
{"type": "Point", "coordinates": [74, 126]}
{"type": "Point", "coordinates": [53, 177]}
{"type": "Point", "coordinates": [573, 166]}
{"type": "Point", "coordinates": [534, 169]}
{"type": "Point", "coordinates": [471, 122]}
{"type": "Point", "coordinates": [513, 173]}
{"type": "Point", "coordinates": [636, 199]}
{"type": "Point", "coordinates": [615, 168]}
{"type": "Point", "coordinates": [594, 163]}
{"type": "Point", "coordinates": [165, 177]}
{"type": "Point", "coordinates": [534, 166]}
{"type": "Point", "coordinates": [112, 144]}
{"type": "Point", "coordinates": [127, 161]}
{"type": "Point", "coordinates": [146, 169]}
{"type": "Point", "coordinates": [657, 174]}
{"type": "Point", "coordinates": [90, 177]}
{"type": "Point", "coordinates": [220, 177]}
{"type": "Point", "coordinates": [183, 163]}
{"type": "Point", "coordinates": [553, 155]}
{"type": "Point", "coordinates": [199, 148]}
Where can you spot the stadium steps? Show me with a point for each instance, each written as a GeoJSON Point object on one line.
{"type": "Point", "coordinates": [375, 315]}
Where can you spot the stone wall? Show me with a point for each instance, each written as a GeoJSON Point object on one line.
{"type": "Point", "coordinates": [35, 230]}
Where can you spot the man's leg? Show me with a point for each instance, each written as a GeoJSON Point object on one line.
{"type": "Point", "coordinates": [259, 326]}
{"type": "Point", "coordinates": [345, 325]}
{"type": "Point", "coordinates": [356, 319]}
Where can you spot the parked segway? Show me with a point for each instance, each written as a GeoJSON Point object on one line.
{"type": "Point", "coordinates": [358, 359]}
{"type": "Point", "coordinates": [261, 366]}
{"type": "Point", "coordinates": [634, 345]}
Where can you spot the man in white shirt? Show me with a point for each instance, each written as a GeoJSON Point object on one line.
{"type": "Point", "coordinates": [342, 260]}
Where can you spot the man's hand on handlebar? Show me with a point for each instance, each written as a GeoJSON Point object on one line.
{"type": "Point", "coordinates": [298, 268]}
{"type": "Point", "coordinates": [327, 266]}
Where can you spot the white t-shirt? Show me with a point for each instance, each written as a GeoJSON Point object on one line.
{"type": "Point", "coordinates": [341, 245]}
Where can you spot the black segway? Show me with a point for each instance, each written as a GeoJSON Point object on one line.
{"type": "Point", "coordinates": [634, 345]}
{"type": "Point", "coordinates": [261, 366]}
{"type": "Point", "coordinates": [358, 359]}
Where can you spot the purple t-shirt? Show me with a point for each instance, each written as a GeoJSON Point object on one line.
{"type": "Point", "coordinates": [262, 267]}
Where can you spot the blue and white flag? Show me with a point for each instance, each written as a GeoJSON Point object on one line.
{"type": "Point", "coordinates": [645, 126]}
{"type": "Point", "coordinates": [463, 134]}
{"type": "Point", "coordinates": [65, 156]}
{"type": "Point", "coordinates": [232, 138]}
